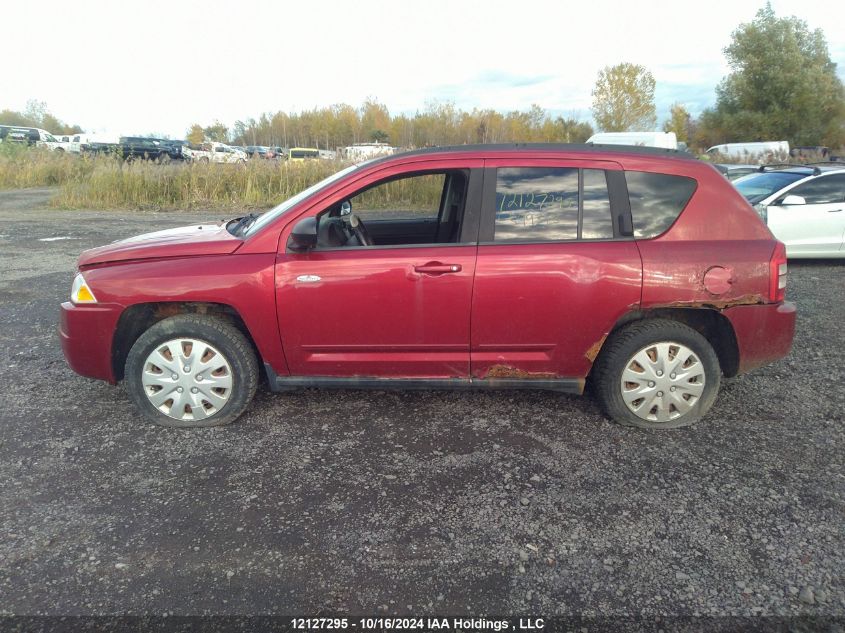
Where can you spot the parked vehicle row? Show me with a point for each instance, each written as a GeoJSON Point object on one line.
{"type": "Point", "coordinates": [643, 271]}
{"type": "Point", "coordinates": [756, 152]}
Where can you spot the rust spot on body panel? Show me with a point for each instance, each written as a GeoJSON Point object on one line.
{"type": "Point", "coordinates": [718, 304]}
{"type": "Point", "coordinates": [506, 371]}
{"type": "Point", "coordinates": [595, 348]}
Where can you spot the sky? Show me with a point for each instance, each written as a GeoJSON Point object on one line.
{"type": "Point", "coordinates": [153, 67]}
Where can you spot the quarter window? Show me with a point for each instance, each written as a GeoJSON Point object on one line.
{"type": "Point", "coordinates": [656, 200]}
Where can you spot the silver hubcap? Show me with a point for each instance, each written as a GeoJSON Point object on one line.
{"type": "Point", "coordinates": [187, 379]}
{"type": "Point", "coordinates": [662, 382]}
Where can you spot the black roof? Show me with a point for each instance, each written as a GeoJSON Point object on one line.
{"type": "Point", "coordinates": [807, 170]}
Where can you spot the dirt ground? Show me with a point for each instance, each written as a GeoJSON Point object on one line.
{"type": "Point", "coordinates": [419, 502]}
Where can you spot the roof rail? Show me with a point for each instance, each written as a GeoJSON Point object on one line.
{"type": "Point", "coordinates": [816, 170]}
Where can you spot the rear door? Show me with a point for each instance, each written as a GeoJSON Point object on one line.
{"type": "Point", "coordinates": [557, 266]}
{"type": "Point", "coordinates": [817, 227]}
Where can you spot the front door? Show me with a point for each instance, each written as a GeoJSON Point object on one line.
{"type": "Point", "coordinates": [398, 307]}
{"type": "Point", "coordinates": [816, 227]}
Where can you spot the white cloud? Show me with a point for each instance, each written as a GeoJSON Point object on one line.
{"type": "Point", "coordinates": [139, 67]}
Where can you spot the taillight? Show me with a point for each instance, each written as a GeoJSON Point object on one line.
{"type": "Point", "coordinates": [777, 274]}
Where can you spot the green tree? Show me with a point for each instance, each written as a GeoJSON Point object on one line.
{"type": "Point", "coordinates": [379, 136]}
{"type": "Point", "coordinates": [679, 122]}
{"type": "Point", "coordinates": [37, 115]}
{"type": "Point", "coordinates": [217, 132]}
{"type": "Point", "coordinates": [783, 85]}
{"type": "Point", "coordinates": [573, 130]}
{"type": "Point", "coordinates": [623, 99]}
{"type": "Point", "coordinates": [36, 111]}
{"type": "Point", "coordinates": [196, 134]}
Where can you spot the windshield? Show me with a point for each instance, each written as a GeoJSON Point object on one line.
{"type": "Point", "coordinates": [288, 204]}
{"type": "Point", "coordinates": [756, 187]}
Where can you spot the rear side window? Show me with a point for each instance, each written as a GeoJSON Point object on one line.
{"type": "Point", "coordinates": [542, 204]}
{"type": "Point", "coordinates": [596, 222]}
{"type": "Point", "coordinates": [657, 200]}
{"type": "Point", "coordinates": [537, 204]}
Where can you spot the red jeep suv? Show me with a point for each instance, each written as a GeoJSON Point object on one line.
{"type": "Point", "coordinates": [641, 271]}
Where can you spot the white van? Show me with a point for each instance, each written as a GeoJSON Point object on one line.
{"type": "Point", "coordinates": [28, 135]}
{"type": "Point", "coordinates": [666, 140]}
{"type": "Point", "coordinates": [765, 151]}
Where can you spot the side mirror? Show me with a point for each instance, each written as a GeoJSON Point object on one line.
{"type": "Point", "coordinates": [345, 208]}
{"type": "Point", "coordinates": [788, 200]}
{"type": "Point", "coordinates": [303, 236]}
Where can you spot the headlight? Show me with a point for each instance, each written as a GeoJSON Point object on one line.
{"type": "Point", "coordinates": [762, 212]}
{"type": "Point", "coordinates": [80, 292]}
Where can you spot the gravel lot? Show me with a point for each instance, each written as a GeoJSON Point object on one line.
{"type": "Point", "coordinates": [420, 502]}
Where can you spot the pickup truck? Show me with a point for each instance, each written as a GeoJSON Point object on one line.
{"type": "Point", "coordinates": [213, 153]}
{"type": "Point", "coordinates": [129, 147]}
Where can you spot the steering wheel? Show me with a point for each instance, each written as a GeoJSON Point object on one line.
{"type": "Point", "coordinates": [360, 231]}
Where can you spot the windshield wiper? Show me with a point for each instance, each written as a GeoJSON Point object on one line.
{"type": "Point", "coordinates": [243, 224]}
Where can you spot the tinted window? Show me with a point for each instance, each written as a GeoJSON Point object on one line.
{"type": "Point", "coordinates": [756, 187]}
{"type": "Point", "coordinates": [656, 200]}
{"type": "Point", "coordinates": [536, 203]}
{"type": "Point", "coordinates": [597, 222]}
{"type": "Point", "coordinates": [824, 190]}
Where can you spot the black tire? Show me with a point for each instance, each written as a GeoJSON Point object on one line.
{"type": "Point", "coordinates": [226, 338]}
{"type": "Point", "coordinates": [620, 349]}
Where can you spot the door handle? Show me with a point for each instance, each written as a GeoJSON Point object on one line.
{"type": "Point", "coordinates": [834, 210]}
{"type": "Point", "coordinates": [436, 268]}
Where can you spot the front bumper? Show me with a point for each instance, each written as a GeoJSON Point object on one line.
{"type": "Point", "coordinates": [763, 332]}
{"type": "Point", "coordinates": [87, 332]}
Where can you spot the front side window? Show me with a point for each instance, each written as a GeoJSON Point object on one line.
{"type": "Point", "coordinates": [419, 208]}
{"type": "Point", "coordinates": [413, 198]}
{"type": "Point", "coordinates": [823, 190]}
{"type": "Point", "coordinates": [543, 204]}
{"type": "Point", "coordinates": [657, 200]}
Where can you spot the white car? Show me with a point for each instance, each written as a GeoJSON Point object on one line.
{"type": "Point", "coordinates": [214, 153]}
{"type": "Point", "coordinates": [804, 206]}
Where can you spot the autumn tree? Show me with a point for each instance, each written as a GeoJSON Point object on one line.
{"type": "Point", "coordinates": [196, 134]}
{"type": "Point", "coordinates": [217, 132]}
{"type": "Point", "coordinates": [440, 123]}
{"type": "Point", "coordinates": [573, 131]}
{"type": "Point", "coordinates": [36, 114]}
{"type": "Point", "coordinates": [782, 85]}
{"type": "Point", "coordinates": [623, 99]}
{"type": "Point", "coordinates": [375, 119]}
{"type": "Point", "coordinates": [679, 122]}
